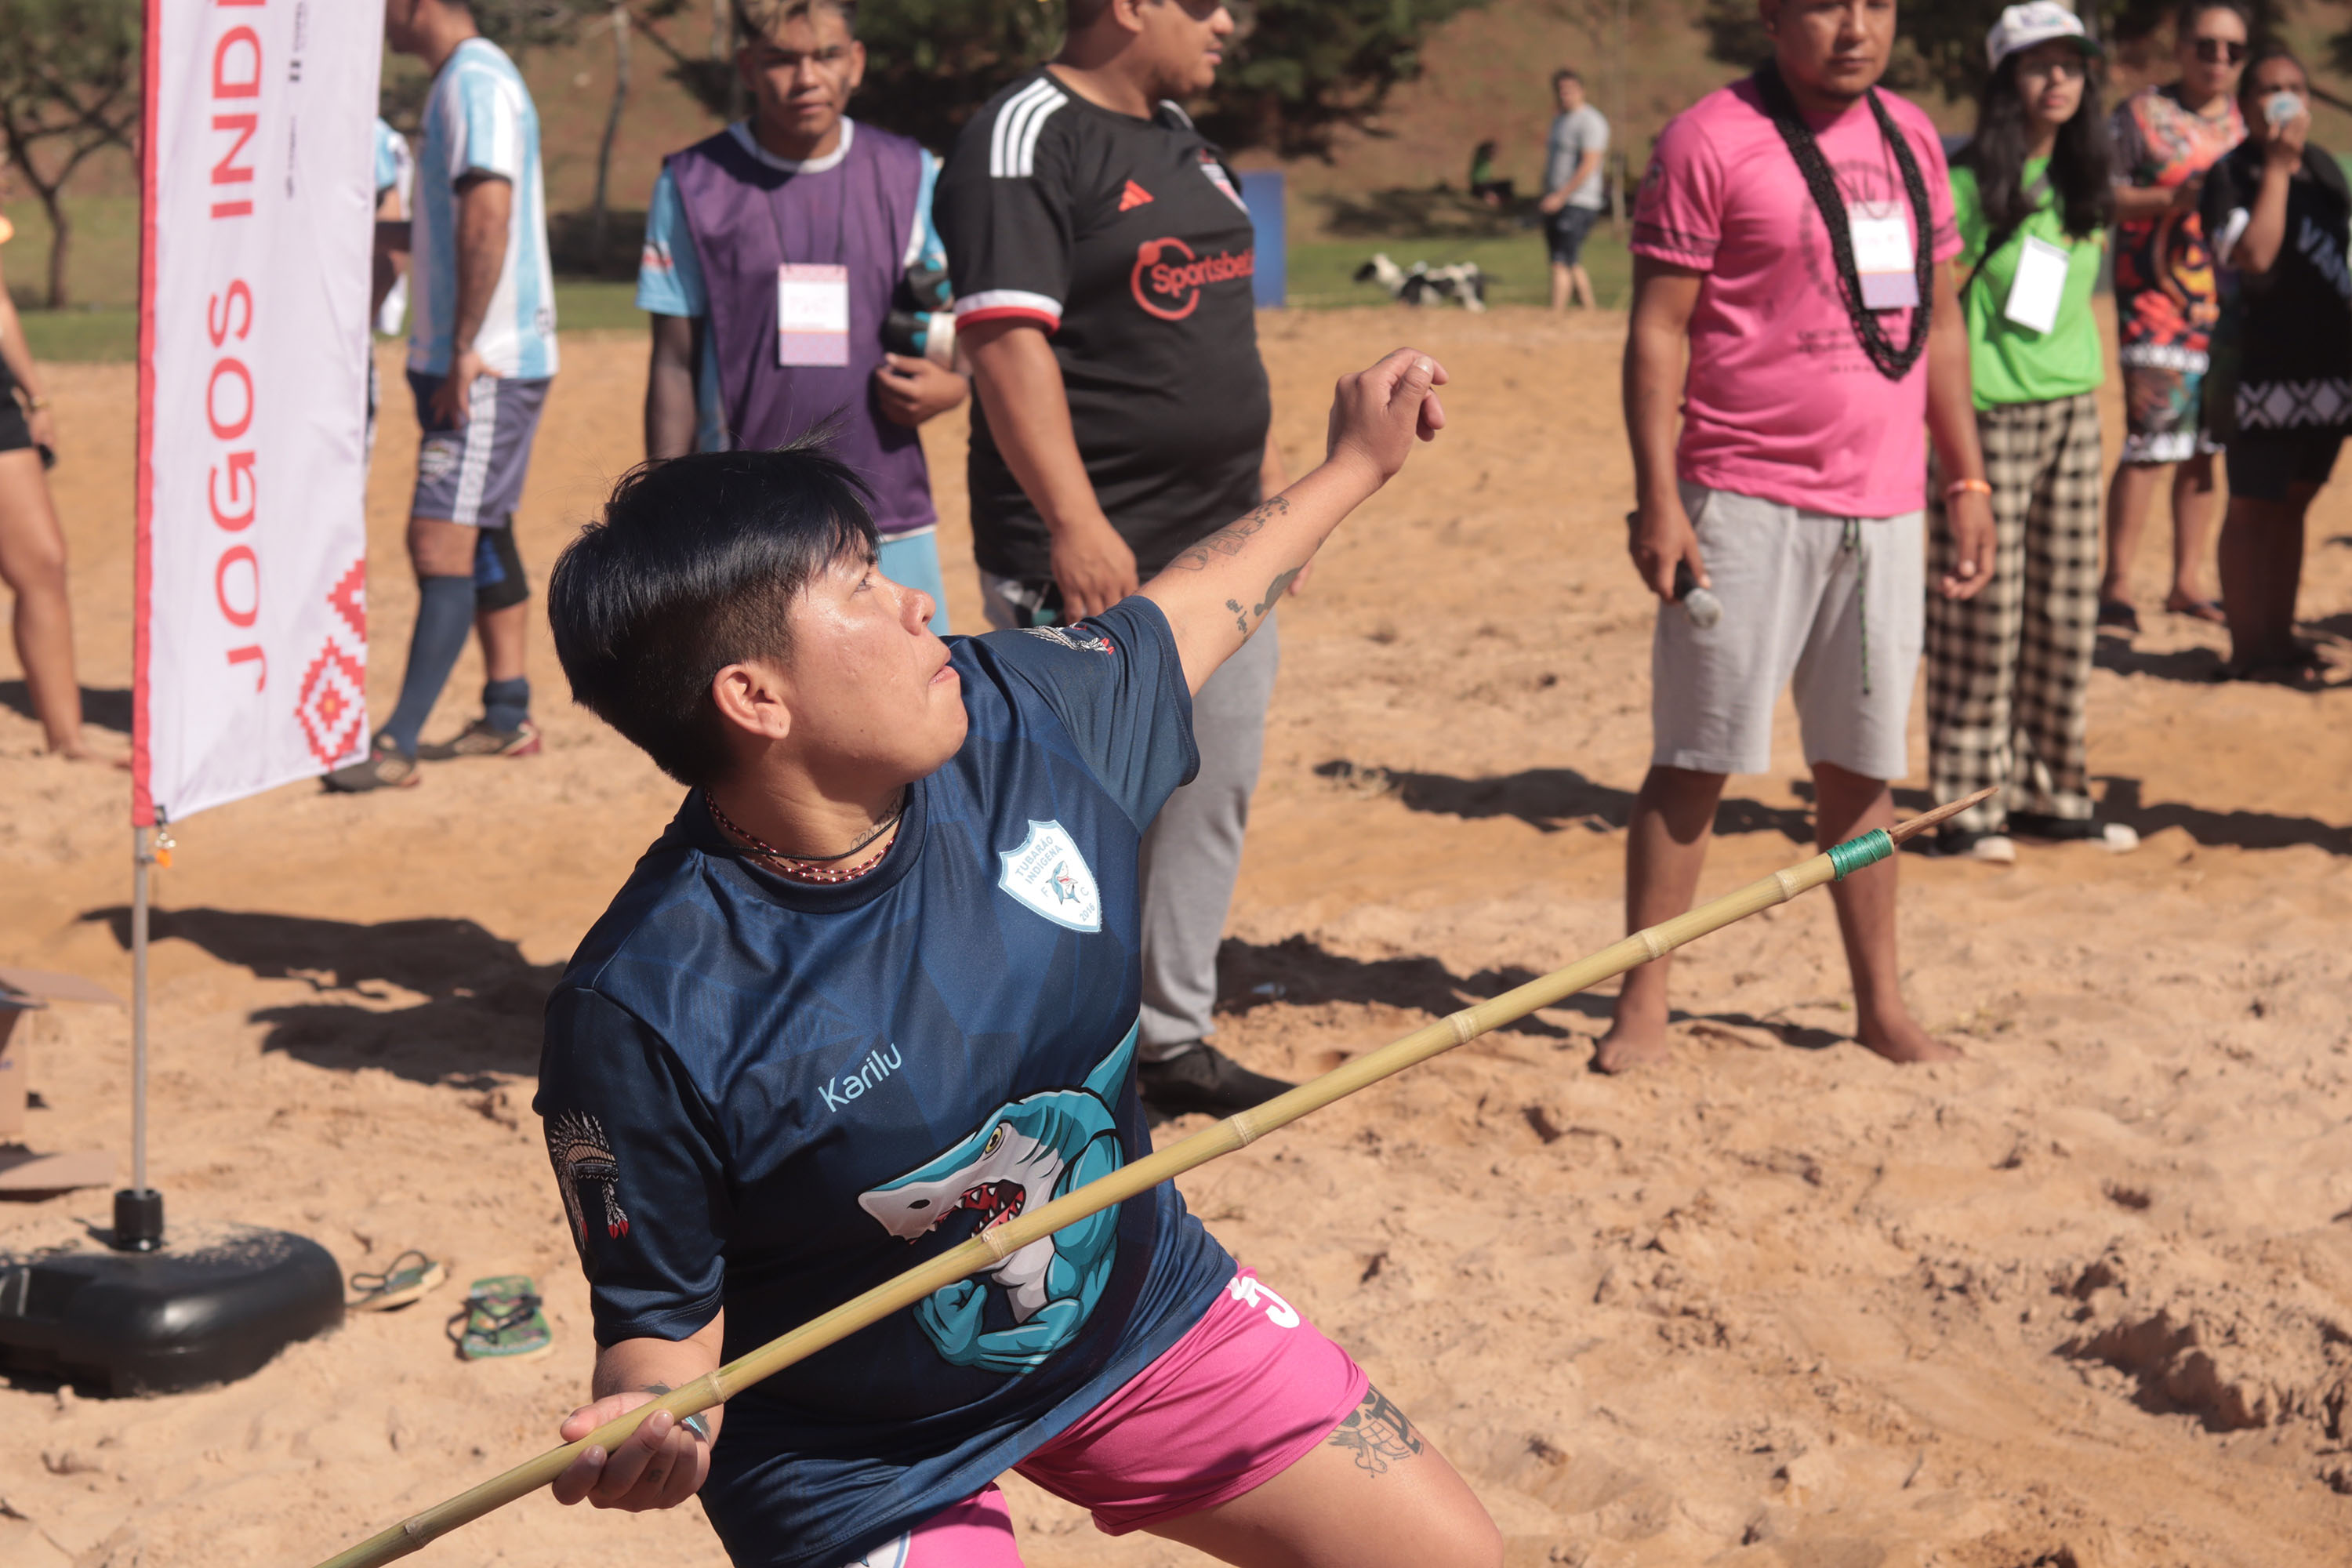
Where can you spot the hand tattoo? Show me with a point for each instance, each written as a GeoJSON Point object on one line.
{"type": "Point", "coordinates": [1228, 540]}
{"type": "Point", "coordinates": [1377, 1433]}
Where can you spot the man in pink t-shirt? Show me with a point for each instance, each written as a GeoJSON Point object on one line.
{"type": "Point", "coordinates": [1790, 231]}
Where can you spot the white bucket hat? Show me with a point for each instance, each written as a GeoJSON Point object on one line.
{"type": "Point", "coordinates": [2037, 22]}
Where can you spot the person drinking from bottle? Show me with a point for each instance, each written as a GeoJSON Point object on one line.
{"type": "Point", "coordinates": [1787, 235]}
{"type": "Point", "coordinates": [2008, 671]}
{"type": "Point", "coordinates": [2278, 209]}
{"type": "Point", "coordinates": [877, 989]}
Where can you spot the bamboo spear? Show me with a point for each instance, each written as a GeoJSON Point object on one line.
{"type": "Point", "coordinates": [998, 1242]}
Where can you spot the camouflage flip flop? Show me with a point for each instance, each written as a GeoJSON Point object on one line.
{"type": "Point", "coordinates": [502, 1321]}
{"type": "Point", "coordinates": [408, 1276]}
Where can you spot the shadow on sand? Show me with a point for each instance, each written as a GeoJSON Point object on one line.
{"type": "Point", "coordinates": [481, 1001]}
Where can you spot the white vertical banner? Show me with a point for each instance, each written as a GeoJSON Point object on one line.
{"type": "Point", "coordinates": [256, 211]}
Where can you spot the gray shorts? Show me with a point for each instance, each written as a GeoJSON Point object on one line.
{"type": "Point", "coordinates": [1831, 607]}
{"type": "Point", "coordinates": [473, 473]}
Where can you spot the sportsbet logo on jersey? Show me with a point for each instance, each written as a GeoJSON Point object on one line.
{"type": "Point", "coordinates": [1169, 274]}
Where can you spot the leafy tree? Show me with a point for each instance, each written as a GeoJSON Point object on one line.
{"type": "Point", "coordinates": [69, 85]}
{"type": "Point", "coordinates": [1940, 43]}
{"type": "Point", "coordinates": [1303, 68]}
{"type": "Point", "coordinates": [1297, 70]}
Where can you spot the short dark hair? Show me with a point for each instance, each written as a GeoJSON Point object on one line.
{"type": "Point", "coordinates": [694, 567]}
{"type": "Point", "coordinates": [759, 18]}
{"type": "Point", "coordinates": [2263, 54]}
{"type": "Point", "coordinates": [2184, 20]}
{"type": "Point", "coordinates": [1566, 73]}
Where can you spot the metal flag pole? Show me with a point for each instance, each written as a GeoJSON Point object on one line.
{"type": "Point", "coordinates": [139, 1209]}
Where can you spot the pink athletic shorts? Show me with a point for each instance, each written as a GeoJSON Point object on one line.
{"type": "Point", "coordinates": [1232, 1404]}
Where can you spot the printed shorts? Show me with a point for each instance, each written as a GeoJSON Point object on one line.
{"type": "Point", "coordinates": [2164, 403]}
{"type": "Point", "coordinates": [1831, 607]}
{"type": "Point", "coordinates": [1238, 1400]}
{"type": "Point", "coordinates": [473, 473]}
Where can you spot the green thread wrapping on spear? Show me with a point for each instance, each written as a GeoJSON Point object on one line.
{"type": "Point", "coordinates": [1855, 853]}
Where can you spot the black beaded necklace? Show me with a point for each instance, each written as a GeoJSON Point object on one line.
{"type": "Point", "coordinates": [1894, 363]}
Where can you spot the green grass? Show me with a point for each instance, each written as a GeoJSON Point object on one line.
{"type": "Point", "coordinates": [1322, 271]}
{"type": "Point", "coordinates": [587, 304]}
{"type": "Point", "coordinates": [103, 265]}
{"type": "Point", "coordinates": [105, 329]}
{"type": "Point", "coordinates": [82, 337]}
{"type": "Point", "coordinates": [110, 334]}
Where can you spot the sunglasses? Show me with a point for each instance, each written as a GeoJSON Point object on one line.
{"type": "Point", "coordinates": [2217, 51]}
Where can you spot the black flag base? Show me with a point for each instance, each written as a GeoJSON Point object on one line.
{"type": "Point", "coordinates": [150, 1313]}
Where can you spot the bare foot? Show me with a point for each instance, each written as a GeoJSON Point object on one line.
{"type": "Point", "coordinates": [1629, 1045]}
{"type": "Point", "coordinates": [1899, 1038]}
{"type": "Point", "coordinates": [2182, 603]}
{"type": "Point", "coordinates": [76, 751]}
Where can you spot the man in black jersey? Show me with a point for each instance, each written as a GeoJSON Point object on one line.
{"type": "Point", "coordinates": [1102, 260]}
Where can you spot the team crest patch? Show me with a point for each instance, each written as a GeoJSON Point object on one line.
{"type": "Point", "coordinates": [1047, 873]}
{"type": "Point", "coordinates": [583, 1158]}
{"type": "Point", "coordinates": [438, 458]}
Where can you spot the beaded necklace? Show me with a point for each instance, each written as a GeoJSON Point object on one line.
{"type": "Point", "coordinates": [1891, 361]}
{"type": "Point", "coordinates": [822, 869]}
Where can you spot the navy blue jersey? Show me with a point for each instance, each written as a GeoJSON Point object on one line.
{"type": "Point", "coordinates": [771, 1096]}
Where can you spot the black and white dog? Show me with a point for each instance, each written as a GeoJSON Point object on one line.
{"type": "Point", "coordinates": [1464, 282]}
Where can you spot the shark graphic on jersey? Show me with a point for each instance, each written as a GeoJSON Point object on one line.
{"type": "Point", "coordinates": [1010, 1317]}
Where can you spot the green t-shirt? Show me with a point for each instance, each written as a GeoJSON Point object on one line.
{"type": "Point", "coordinates": [2007, 363]}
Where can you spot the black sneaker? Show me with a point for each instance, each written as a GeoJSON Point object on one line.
{"type": "Point", "coordinates": [1203, 1079]}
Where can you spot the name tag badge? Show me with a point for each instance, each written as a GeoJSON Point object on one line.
{"type": "Point", "coordinates": [1882, 254]}
{"type": "Point", "coordinates": [2040, 284]}
{"type": "Point", "coordinates": [812, 314]}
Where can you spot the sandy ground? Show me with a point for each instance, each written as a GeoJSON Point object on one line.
{"type": "Point", "coordinates": [2079, 1299]}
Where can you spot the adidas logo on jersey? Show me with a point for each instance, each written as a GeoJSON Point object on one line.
{"type": "Point", "coordinates": [1132, 198]}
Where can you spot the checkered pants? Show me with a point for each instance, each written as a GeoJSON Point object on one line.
{"type": "Point", "coordinates": [2008, 671]}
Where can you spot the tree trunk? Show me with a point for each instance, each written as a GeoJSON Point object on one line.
{"type": "Point", "coordinates": [60, 241]}
{"type": "Point", "coordinates": [598, 211]}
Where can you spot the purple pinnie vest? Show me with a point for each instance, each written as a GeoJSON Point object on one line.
{"type": "Point", "coordinates": [746, 219]}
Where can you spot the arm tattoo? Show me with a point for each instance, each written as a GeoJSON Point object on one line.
{"type": "Point", "coordinates": [1274, 591]}
{"type": "Point", "coordinates": [1228, 540]}
{"type": "Point", "coordinates": [1377, 1433]}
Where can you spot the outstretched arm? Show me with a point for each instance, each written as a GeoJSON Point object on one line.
{"type": "Point", "coordinates": [1221, 590]}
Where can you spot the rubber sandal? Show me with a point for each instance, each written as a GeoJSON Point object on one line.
{"type": "Point", "coordinates": [2207, 610]}
{"type": "Point", "coordinates": [2115, 612]}
{"type": "Point", "coordinates": [407, 1279]}
{"type": "Point", "coordinates": [502, 1321]}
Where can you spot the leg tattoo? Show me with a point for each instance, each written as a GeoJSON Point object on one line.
{"type": "Point", "coordinates": [1377, 1433]}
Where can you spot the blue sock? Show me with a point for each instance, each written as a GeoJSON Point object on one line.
{"type": "Point", "coordinates": [445, 618]}
{"type": "Point", "coordinates": [507, 702]}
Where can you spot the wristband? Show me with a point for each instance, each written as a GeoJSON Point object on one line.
{"type": "Point", "coordinates": [1962, 487]}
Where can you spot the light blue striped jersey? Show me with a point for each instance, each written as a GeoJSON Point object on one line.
{"type": "Point", "coordinates": [480, 120]}
{"type": "Point", "coordinates": [670, 274]}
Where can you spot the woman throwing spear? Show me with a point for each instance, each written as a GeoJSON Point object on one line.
{"type": "Point", "coordinates": [874, 990]}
